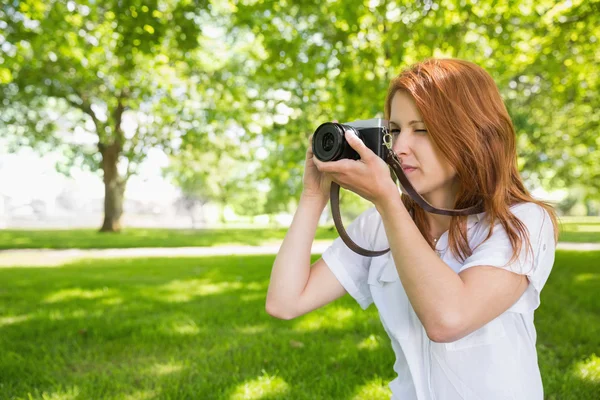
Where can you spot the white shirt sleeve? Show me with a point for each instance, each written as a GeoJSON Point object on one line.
{"type": "Point", "coordinates": [497, 251]}
{"type": "Point", "coordinates": [352, 269]}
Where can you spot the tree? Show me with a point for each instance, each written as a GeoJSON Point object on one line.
{"type": "Point", "coordinates": [322, 61]}
{"type": "Point", "coordinates": [93, 66]}
{"type": "Point", "coordinates": [223, 174]}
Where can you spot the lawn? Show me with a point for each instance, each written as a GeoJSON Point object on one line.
{"type": "Point", "coordinates": [572, 230]}
{"type": "Point", "coordinates": [580, 230]}
{"type": "Point", "coordinates": [137, 237]}
{"type": "Point", "coordinates": [195, 328]}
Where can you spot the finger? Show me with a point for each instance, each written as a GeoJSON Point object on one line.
{"type": "Point", "coordinates": [361, 148]}
{"type": "Point", "coordinates": [310, 152]}
{"type": "Point", "coordinates": [318, 163]}
{"type": "Point", "coordinates": [334, 167]}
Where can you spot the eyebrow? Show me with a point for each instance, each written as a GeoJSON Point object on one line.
{"type": "Point", "coordinates": [410, 123]}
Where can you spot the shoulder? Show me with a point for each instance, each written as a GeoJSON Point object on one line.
{"type": "Point", "coordinates": [529, 213]}
{"type": "Point", "coordinates": [535, 217]}
{"type": "Point", "coordinates": [528, 210]}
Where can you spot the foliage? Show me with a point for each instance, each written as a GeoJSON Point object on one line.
{"type": "Point", "coordinates": [329, 61]}
{"type": "Point", "coordinates": [187, 74]}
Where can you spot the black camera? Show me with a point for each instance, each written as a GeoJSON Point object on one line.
{"type": "Point", "coordinates": [329, 143]}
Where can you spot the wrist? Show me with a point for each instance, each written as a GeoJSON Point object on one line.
{"type": "Point", "coordinates": [389, 198]}
{"type": "Point", "coordinates": [318, 199]}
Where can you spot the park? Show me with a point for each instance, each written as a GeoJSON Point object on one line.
{"type": "Point", "coordinates": [152, 158]}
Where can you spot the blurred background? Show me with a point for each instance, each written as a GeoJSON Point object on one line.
{"type": "Point", "coordinates": [196, 113]}
{"type": "Point", "coordinates": [130, 124]}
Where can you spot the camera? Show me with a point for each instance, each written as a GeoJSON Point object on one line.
{"type": "Point", "coordinates": [329, 142]}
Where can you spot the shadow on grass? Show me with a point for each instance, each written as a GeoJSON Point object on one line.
{"type": "Point", "coordinates": [196, 328]}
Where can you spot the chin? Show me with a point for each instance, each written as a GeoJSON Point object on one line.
{"type": "Point", "coordinates": [416, 190]}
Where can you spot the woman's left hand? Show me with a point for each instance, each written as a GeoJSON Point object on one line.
{"type": "Point", "coordinates": [369, 177]}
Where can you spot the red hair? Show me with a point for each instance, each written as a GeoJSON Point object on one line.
{"type": "Point", "coordinates": [471, 129]}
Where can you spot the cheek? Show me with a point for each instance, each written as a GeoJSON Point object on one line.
{"type": "Point", "coordinates": [449, 170]}
{"type": "Point", "coordinates": [441, 167]}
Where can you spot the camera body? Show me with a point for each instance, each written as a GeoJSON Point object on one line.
{"type": "Point", "coordinates": [329, 142]}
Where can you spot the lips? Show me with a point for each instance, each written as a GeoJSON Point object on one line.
{"type": "Point", "coordinates": [408, 169]}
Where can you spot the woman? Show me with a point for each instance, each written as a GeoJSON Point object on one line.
{"type": "Point", "coordinates": [456, 294]}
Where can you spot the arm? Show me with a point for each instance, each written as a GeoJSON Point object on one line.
{"type": "Point", "coordinates": [295, 288]}
{"type": "Point", "coordinates": [448, 305]}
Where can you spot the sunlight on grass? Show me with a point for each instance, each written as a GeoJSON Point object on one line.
{"type": "Point", "coordinates": [13, 320]}
{"type": "Point", "coordinates": [589, 369]}
{"type": "Point", "coordinates": [56, 315]}
{"type": "Point", "coordinates": [575, 220]}
{"type": "Point", "coordinates": [70, 394]}
{"type": "Point", "coordinates": [112, 301]}
{"type": "Point", "coordinates": [256, 286]}
{"type": "Point", "coordinates": [142, 395]}
{"type": "Point", "coordinates": [165, 369]}
{"type": "Point", "coordinates": [22, 241]}
{"type": "Point", "coordinates": [259, 388]}
{"type": "Point", "coordinates": [586, 277]}
{"type": "Point", "coordinates": [179, 291]}
{"type": "Point", "coordinates": [77, 293]}
{"type": "Point", "coordinates": [252, 329]}
{"type": "Point", "coordinates": [583, 228]}
{"type": "Point", "coordinates": [333, 317]}
{"type": "Point", "coordinates": [141, 233]}
{"type": "Point", "coordinates": [375, 389]}
{"type": "Point", "coordinates": [253, 296]}
{"type": "Point", "coordinates": [185, 328]}
{"type": "Point", "coordinates": [370, 343]}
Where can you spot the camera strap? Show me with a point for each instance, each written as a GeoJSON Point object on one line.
{"type": "Point", "coordinates": [392, 160]}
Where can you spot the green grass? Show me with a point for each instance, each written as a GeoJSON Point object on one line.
{"type": "Point", "coordinates": [572, 230]}
{"type": "Point", "coordinates": [581, 230]}
{"type": "Point", "coordinates": [195, 328]}
{"type": "Point", "coordinates": [136, 237]}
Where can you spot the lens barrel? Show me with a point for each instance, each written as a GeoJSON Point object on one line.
{"type": "Point", "coordinates": [329, 143]}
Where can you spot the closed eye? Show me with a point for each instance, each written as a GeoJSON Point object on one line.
{"type": "Point", "coordinates": [397, 131]}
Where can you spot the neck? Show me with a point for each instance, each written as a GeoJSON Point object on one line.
{"type": "Point", "coordinates": [438, 224]}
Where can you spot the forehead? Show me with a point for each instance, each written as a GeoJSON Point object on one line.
{"type": "Point", "coordinates": [403, 108]}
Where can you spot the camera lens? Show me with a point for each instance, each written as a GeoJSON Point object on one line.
{"type": "Point", "coordinates": [328, 141]}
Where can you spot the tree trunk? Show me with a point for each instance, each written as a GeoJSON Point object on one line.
{"type": "Point", "coordinates": [222, 217]}
{"type": "Point", "coordinates": [114, 189]}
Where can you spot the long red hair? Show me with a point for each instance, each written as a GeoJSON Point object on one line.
{"type": "Point", "coordinates": [470, 128]}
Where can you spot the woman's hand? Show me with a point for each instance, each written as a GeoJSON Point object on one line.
{"type": "Point", "coordinates": [369, 177]}
{"type": "Point", "coordinates": [316, 183]}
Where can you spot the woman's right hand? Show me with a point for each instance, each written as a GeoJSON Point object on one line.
{"type": "Point", "coordinates": [316, 183]}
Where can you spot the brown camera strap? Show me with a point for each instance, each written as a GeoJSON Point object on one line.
{"type": "Point", "coordinates": [394, 162]}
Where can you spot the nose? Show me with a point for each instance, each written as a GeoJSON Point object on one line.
{"type": "Point", "coordinates": [402, 143]}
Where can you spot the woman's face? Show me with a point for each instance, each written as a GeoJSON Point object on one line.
{"type": "Point", "coordinates": [433, 178]}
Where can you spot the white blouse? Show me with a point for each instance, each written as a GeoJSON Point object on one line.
{"type": "Point", "coordinates": [497, 361]}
